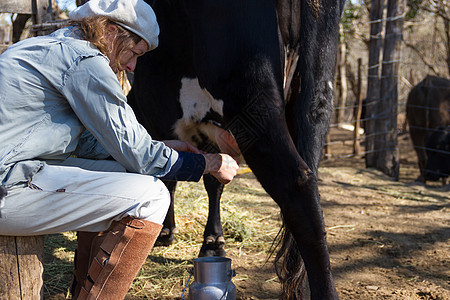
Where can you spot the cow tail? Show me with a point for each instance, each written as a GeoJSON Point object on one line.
{"type": "Point", "coordinates": [289, 265]}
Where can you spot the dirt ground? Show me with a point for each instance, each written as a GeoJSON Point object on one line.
{"type": "Point", "coordinates": [388, 239]}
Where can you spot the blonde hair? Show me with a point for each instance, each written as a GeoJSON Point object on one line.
{"type": "Point", "coordinates": [94, 31]}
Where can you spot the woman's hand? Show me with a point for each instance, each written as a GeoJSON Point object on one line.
{"type": "Point", "coordinates": [182, 146]}
{"type": "Point", "coordinates": [222, 166]}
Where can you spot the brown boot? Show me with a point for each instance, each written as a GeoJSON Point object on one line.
{"type": "Point", "coordinates": [82, 261]}
{"type": "Point", "coordinates": [121, 254]}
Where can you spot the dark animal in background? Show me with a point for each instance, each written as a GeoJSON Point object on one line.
{"type": "Point", "coordinates": [428, 108]}
{"type": "Point", "coordinates": [258, 73]}
{"type": "Point", "coordinates": [438, 155]}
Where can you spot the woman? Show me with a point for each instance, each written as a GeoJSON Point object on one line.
{"type": "Point", "coordinates": [73, 156]}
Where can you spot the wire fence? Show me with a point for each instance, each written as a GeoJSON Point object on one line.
{"type": "Point", "coordinates": [423, 53]}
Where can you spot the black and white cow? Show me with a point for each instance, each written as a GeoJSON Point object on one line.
{"type": "Point", "coordinates": [218, 78]}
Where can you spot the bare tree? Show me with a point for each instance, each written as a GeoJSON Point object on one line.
{"type": "Point", "coordinates": [373, 80]}
{"type": "Point", "coordinates": [437, 54]}
{"type": "Point", "coordinates": [387, 156]}
{"type": "Point", "coordinates": [382, 94]}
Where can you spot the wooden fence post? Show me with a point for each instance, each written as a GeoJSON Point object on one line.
{"type": "Point", "coordinates": [357, 113]}
{"type": "Point", "coordinates": [342, 71]}
{"type": "Point", "coordinates": [21, 267]}
{"type": "Point", "coordinates": [43, 12]}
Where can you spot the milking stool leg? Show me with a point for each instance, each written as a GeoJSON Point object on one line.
{"type": "Point", "coordinates": [122, 251]}
{"type": "Point", "coordinates": [82, 261]}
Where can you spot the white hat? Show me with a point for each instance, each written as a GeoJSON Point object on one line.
{"type": "Point", "coordinates": [134, 15]}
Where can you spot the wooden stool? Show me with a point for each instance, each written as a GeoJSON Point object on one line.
{"type": "Point", "coordinates": [21, 267]}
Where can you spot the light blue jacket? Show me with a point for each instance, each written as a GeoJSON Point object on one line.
{"type": "Point", "coordinates": [52, 89]}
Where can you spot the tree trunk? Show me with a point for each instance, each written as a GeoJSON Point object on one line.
{"type": "Point", "coordinates": [447, 36]}
{"type": "Point", "coordinates": [21, 267]}
{"type": "Point", "coordinates": [388, 156]}
{"type": "Point", "coordinates": [373, 80]}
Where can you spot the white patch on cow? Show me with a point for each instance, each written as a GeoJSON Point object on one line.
{"type": "Point", "coordinates": [330, 84]}
{"type": "Point", "coordinates": [196, 102]}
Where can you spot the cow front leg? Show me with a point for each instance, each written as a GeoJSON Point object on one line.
{"type": "Point", "coordinates": [213, 239]}
{"type": "Point", "coordinates": [167, 235]}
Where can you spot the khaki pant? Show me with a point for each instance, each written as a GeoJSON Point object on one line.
{"type": "Point", "coordinates": [81, 195]}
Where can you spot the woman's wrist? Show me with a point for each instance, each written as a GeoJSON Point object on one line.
{"type": "Point", "coordinates": [222, 166]}
{"type": "Point", "coordinates": [213, 161]}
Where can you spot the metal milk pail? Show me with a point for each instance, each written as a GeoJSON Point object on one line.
{"type": "Point", "coordinates": [212, 279]}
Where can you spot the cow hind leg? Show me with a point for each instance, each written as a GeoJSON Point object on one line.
{"type": "Point", "coordinates": [167, 234]}
{"type": "Point", "coordinates": [291, 259]}
{"type": "Point", "coordinates": [287, 178]}
{"type": "Point", "coordinates": [213, 236]}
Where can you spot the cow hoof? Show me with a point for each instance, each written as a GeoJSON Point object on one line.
{"type": "Point", "coordinates": [213, 240]}
{"type": "Point", "coordinates": [166, 237]}
{"type": "Point", "coordinates": [220, 240]}
{"type": "Point", "coordinates": [212, 252]}
{"type": "Point", "coordinates": [213, 246]}
{"type": "Point", "coordinates": [210, 239]}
